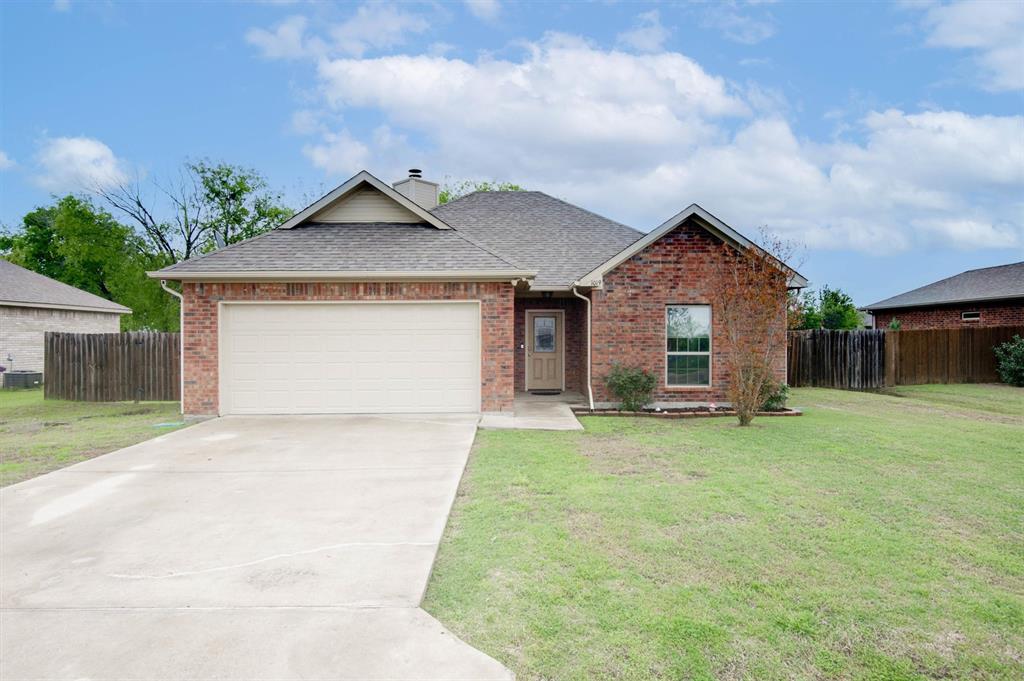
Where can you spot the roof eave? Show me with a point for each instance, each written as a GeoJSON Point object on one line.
{"type": "Point", "coordinates": [940, 303]}
{"type": "Point", "coordinates": [349, 275]}
{"type": "Point", "coordinates": [119, 309]}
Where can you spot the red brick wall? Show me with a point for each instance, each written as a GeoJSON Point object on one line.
{"type": "Point", "coordinates": [575, 330]}
{"type": "Point", "coordinates": [948, 317]}
{"type": "Point", "coordinates": [629, 313]}
{"type": "Point", "coordinates": [201, 379]}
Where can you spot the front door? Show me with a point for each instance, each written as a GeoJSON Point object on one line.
{"type": "Point", "coordinates": [545, 353]}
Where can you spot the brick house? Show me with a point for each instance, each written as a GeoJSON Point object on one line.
{"type": "Point", "coordinates": [31, 305]}
{"type": "Point", "coordinates": [990, 296]}
{"type": "Point", "coordinates": [376, 299]}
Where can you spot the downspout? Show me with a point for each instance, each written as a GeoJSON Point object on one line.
{"type": "Point", "coordinates": [181, 343]}
{"type": "Point", "coordinates": [590, 387]}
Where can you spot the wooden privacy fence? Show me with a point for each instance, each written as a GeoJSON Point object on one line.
{"type": "Point", "coordinates": [866, 359]}
{"type": "Point", "coordinates": [837, 359]}
{"type": "Point", "coordinates": [945, 355]}
{"type": "Point", "coordinates": [110, 367]}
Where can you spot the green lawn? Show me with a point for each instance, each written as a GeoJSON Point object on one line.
{"type": "Point", "coordinates": [875, 537]}
{"type": "Point", "coordinates": [38, 436]}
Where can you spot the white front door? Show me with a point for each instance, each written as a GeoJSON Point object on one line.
{"type": "Point", "coordinates": [327, 358]}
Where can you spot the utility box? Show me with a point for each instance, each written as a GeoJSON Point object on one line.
{"type": "Point", "coordinates": [22, 379]}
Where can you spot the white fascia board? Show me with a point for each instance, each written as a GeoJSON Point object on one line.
{"type": "Point", "coordinates": [120, 309]}
{"type": "Point", "coordinates": [350, 275]}
{"type": "Point", "coordinates": [352, 183]}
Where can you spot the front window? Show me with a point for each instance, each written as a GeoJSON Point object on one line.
{"type": "Point", "coordinates": [970, 316]}
{"type": "Point", "coordinates": [689, 345]}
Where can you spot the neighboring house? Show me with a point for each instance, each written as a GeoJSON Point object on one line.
{"type": "Point", "coordinates": [31, 305]}
{"type": "Point", "coordinates": [990, 296]}
{"type": "Point", "coordinates": [375, 299]}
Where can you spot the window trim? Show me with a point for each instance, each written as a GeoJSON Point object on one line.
{"type": "Point", "coordinates": [709, 353]}
{"type": "Point", "coordinates": [970, 320]}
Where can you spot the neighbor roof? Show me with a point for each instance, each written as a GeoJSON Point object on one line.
{"type": "Point", "coordinates": [987, 283]}
{"type": "Point", "coordinates": [365, 249]}
{"type": "Point", "coordinates": [561, 241]}
{"type": "Point", "coordinates": [24, 288]}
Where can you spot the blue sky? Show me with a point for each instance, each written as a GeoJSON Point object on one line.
{"type": "Point", "coordinates": [887, 138]}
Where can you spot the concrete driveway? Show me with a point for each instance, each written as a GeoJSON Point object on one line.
{"type": "Point", "coordinates": [239, 548]}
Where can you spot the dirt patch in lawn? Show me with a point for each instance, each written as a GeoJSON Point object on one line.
{"type": "Point", "coordinates": [619, 455]}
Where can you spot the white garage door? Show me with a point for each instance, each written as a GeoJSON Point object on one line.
{"type": "Point", "coordinates": [336, 358]}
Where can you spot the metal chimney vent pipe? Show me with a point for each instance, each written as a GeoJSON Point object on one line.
{"type": "Point", "coordinates": [415, 172]}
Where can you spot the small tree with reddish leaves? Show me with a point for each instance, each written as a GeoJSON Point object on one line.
{"type": "Point", "coordinates": [750, 303]}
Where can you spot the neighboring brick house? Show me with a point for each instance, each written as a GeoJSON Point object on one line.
{"type": "Point", "coordinates": [376, 299]}
{"type": "Point", "coordinates": [31, 305]}
{"type": "Point", "coordinates": [990, 296]}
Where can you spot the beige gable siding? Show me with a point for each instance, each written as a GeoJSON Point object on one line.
{"type": "Point", "coordinates": [22, 329]}
{"type": "Point", "coordinates": [365, 205]}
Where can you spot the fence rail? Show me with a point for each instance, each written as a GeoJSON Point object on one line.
{"type": "Point", "coordinates": [867, 359]}
{"type": "Point", "coordinates": [110, 367]}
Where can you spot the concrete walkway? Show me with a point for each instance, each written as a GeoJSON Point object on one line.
{"type": "Point", "coordinates": [536, 412]}
{"type": "Point", "coordinates": [239, 548]}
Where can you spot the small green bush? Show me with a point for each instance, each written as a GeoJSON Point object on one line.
{"type": "Point", "coordinates": [1010, 359]}
{"type": "Point", "coordinates": [776, 400]}
{"type": "Point", "coordinates": [895, 324]}
{"type": "Point", "coordinates": [632, 385]}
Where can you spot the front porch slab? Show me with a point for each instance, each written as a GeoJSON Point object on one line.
{"type": "Point", "coordinates": [537, 412]}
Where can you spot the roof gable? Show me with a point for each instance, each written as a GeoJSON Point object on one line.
{"type": "Point", "coordinates": [703, 218]}
{"type": "Point", "coordinates": [364, 199]}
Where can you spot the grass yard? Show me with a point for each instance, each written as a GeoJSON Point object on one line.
{"type": "Point", "coordinates": [38, 436]}
{"type": "Point", "coordinates": [875, 537]}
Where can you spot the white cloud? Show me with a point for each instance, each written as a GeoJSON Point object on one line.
{"type": "Point", "coordinates": [77, 163]}
{"type": "Point", "coordinates": [6, 162]}
{"type": "Point", "coordinates": [376, 26]}
{"type": "Point", "coordinates": [994, 30]}
{"type": "Point", "coordinates": [639, 136]}
{"type": "Point", "coordinates": [737, 25]}
{"type": "Point", "coordinates": [338, 153]}
{"type": "Point", "coordinates": [647, 34]}
{"type": "Point", "coordinates": [487, 10]}
{"type": "Point", "coordinates": [373, 26]}
{"type": "Point", "coordinates": [287, 40]}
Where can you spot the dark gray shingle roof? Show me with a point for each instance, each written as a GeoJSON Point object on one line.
{"type": "Point", "coordinates": [27, 288]}
{"type": "Point", "coordinates": [988, 283]}
{"type": "Point", "coordinates": [338, 247]}
{"type": "Point", "coordinates": [562, 242]}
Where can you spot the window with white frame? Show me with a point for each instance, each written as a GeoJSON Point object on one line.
{"type": "Point", "coordinates": [970, 316]}
{"type": "Point", "coordinates": [688, 356]}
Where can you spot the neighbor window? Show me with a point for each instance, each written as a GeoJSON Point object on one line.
{"type": "Point", "coordinates": [689, 345]}
{"type": "Point", "coordinates": [970, 316]}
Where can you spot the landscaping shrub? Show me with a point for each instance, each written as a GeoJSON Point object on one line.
{"type": "Point", "coordinates": [776, 400]}
{"type": "Point", "coordinates": [632, 385]}
{"type": "Point", "coordinates": [1010, 358]}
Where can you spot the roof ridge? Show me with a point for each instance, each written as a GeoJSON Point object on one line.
{"type": "Point", "coordinates": [990, 267]}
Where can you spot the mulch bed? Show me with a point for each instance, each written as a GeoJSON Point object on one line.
{"type": "Point", "coordinates": [678, 413]}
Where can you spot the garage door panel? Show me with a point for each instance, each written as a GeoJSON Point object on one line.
{"type": "Point", "coordinates": [350, 358]}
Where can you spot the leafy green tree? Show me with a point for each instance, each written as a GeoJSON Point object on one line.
{"type": "Point", "coordinates": [452, 191]}
{"type": "Point", "coordinates": [238, 205]}
{"type": "Point", "coordinates": [837, 310]}
{"type": "Point", "coordinates": [74, 242]}
{"type": "Point", "coordinates": [827, 309]}
{"type": "Point", "coordinates": [209, 202]}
